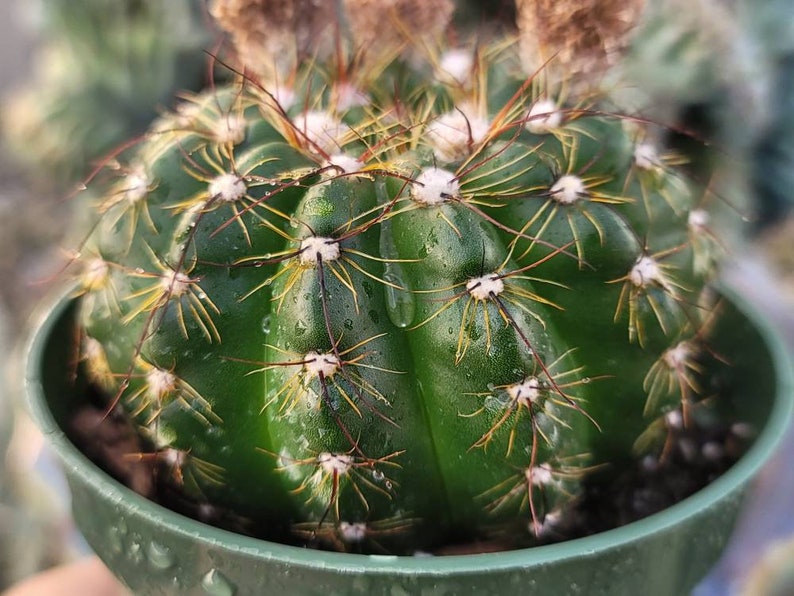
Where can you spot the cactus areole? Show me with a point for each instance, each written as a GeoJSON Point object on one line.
{"type": "Point", "coordinates": [421, 317]}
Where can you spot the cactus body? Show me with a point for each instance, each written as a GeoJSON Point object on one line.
{"type": "Point", "coordinates": [422, 316]}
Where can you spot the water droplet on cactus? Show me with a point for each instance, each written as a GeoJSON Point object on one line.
{"type": "Point", "coordinates": [400, 304]}
{"type": "Point", "coordinates": [266, 321]}
{"type": "Point", "coordinates": [215, 583]}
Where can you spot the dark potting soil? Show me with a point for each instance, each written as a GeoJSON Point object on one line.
{"type": "Point", "coordinates": [620, 494]}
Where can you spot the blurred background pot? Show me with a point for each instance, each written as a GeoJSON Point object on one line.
{"type": "Point", "coordinates": [156, 551]}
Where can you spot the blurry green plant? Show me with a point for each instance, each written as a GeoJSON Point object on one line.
{"type": "Point", "coordinates": [105, 69]}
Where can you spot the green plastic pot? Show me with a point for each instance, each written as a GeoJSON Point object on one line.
{"type": "Point", "coordinates": [156, 551]}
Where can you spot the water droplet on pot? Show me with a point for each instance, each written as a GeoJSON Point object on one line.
{"type": "Point", "coordinates": [115, 540]}
{"type": "Point", "coordinates": [215, 583]}
{"type": "Point", "coordinates": [134, 552]}
{"type": "Point", "coordinates": [159, 556]}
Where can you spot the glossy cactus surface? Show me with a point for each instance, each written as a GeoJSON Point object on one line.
{"type": "Point", "coordinates": [394, 309]}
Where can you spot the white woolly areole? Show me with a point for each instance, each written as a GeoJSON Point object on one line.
{"type": "Point", "coordinates": [678, 355]}
{"type": "Point", "coordinates": [176, 284]}
{"type": "Point", "coordinates": [231, 129]}
{"type": "Point", "coordinates": [485, 286]}
{"type": "Point", "coordinates": [526, 392]}
{"type": "Point", "coordinates": [674, 419]}
{"type": "Point", "coordinates": [568, 189]}
{"type": "Point", "coordinates": [92, 349]}
{"type": "Point", "coordinates": [699, 220]}
{"type": "Point", "coordinates": [539, 475]}
{"type": "Point", "coordinates": [434, 186]}
{"type": "Point", "coordinates": [160, 383]}
{"type": "Point", "coordinates": [315, 363]}
{"type": "Point", "coordinates": [645, 272]}
{"type": "Point", "coordinates": [348, 96]}
{"type": "Point", "coordinates": [335, 463]}
{"type": "Point", "coordinates": [543, 117]}
{"type": "Point", "coordinates": [550, 521]}
{"type": "Point", "coordinates": [228, 187]}
{"type": "Point", "coordinates": [646, 157]}
{"type": "Point", "coordinates": [456, 66]}
{"type": "Point", "coordinates": [95, 274]}
{"type": "Point", "coordinates": [173, 457]}
{"type": "Point", "coordinates": [284, 97]}
{"type": "Point", "coordinates": [136, 186]}
{"type": "Point", "coordinates": [352, 532]}
{"type": "Point", "coordinates": [322, 132]}
{"type": "Point", "coordinates": [344, 164]}
{"type": "Point", "coordinates": [453, 135]}
{"type": "Point", "coordinates": [317, 247]}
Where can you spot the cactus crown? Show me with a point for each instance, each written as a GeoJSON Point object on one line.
{"type": "Point", "coordinates": [387, 307]}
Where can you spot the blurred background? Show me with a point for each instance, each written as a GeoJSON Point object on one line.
{"type": "Point", "coordinates": [78, 78]}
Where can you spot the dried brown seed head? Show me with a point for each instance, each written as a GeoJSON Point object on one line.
{"type": "Point", "coordinates": [581, 39]}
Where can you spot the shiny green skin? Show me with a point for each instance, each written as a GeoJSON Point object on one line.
{"type": "Point", "coordinates": [415, 440]}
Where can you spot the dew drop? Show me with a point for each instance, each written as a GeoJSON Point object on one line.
{"type": "Point", "coordinates": [115, 540]}
{"type": "Point", "coordinates": [377, 475]}
{"type": "Point", "coordinates": [400, 302]}
{"type": "Point", "coordinates": [134, 552]}
{"type": "Point", "coordinates": [159, 556]}
{"type": "Point", "coordinates": [266, 324]}
{"type": "Point", "coordinates": [400, 305]}
{"type": "Point", "coordinates": [215, 583]}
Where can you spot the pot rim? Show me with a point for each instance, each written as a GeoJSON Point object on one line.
{"type": "Point", "coordinates": [764, 446]}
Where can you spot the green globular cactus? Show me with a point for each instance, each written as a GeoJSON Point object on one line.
{"type": "Point", "coordinates": [388, 310]}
